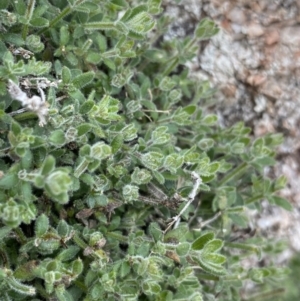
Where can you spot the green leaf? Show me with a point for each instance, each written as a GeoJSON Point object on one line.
{"type": "Point", "coordinates": [214, 269]}
{"type": "Point", "coordinates": [16, 128]}
{"type": "Point", "coordinates": [58, 182]}
{"type": "Point", "coordinates": [4, 4]}
{"type": "Point", "coordinates": [160, 136]}
{"type": "Point", "coordinates": [19, 287]}
{"type": "Point", "coordinates": [190, 109]}
{"type": "Point", "coordinates": [68, 254]}
{"type": "Point", "coordinates": [86, 107]}
{"type": "Point", "coordinates": [281, 202]}
{"type": "Point", "coordinates": [57, 138]}
{"type": "Point", "coordinates": [84, 79]}
{"type": "Point", "coordinates": [213, 258]}
{"type": "Point", "coordinates": [206, 29]}
{"type": "Point", "coordinates": [172, 162]}
{"type": "Point", "coordinates": [167, 84]}
{"type": "Point", "coordinates": [9, 181]}
{"type": "Point", "coordinates": [93, 57]}
{"type": "Point", "coordinates": [83, 128]}
{"type": "Point", "coordinates": [39, 22]}
{"type": "Point", "coordinates": [124, 269]}
{"type": "Point", "coordinates": [158, 176]}
{"type": "Point", "coordinates": [100, 151]}
{"type": "Point", "coordinates": [41, 225]}
{"type": "Point", "coordinates": [130, 193]}
{"type": "Point", "coordinates": [130, 13]}
{"type": "Point", "coordinates": [48, 165]}
{"type": "Point", "coordinates": [155, 231]}
{"type": "Point", "coordinates": [141, 176]}
{"type": "Point", "coordinates": [183, 248]}
{"type": "Point", "coordinates": [4, 231]}
{"type": "Point", "coordinates": [201, 241]}
{"type": "Point", "coordinates": [77, 267]}
{"type": "Point", "coordinates": [210, 119]}
{"type": "Point", "coordinates": [117, 143]}
{"type": "Point", "coordinates": [119, 3]}
{"type": "Point", "coordinates": [151, 288]}
{"type": "Point", "coordinates": [64, 35]}
{"type": "Point", "coordinates": [129, 132]}
{"type": "Point", "coordinates": [66, 75]}
{"type": "Point", "coordinates": [213, 246]}
{"type": "Point", "coordinates": [63, 228]}
{"type": "Point", "coordinates": [100, 26]}
{"type": "Point", "coordinates": [205, 144]}
{"type": "Point", "coordinates": [152, 160]}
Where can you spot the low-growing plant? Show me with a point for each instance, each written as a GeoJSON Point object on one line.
{"type": "Point", "coordinates": [115, 182]}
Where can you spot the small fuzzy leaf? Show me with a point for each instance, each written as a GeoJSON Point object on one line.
{"type": "Point", "coordinates": [58, 183]}
{"type": "Point", "coordinates": [206, 29]}
{"type": "Point", "coordinates": [190, 109]}
{"type": "Point", "coordinates": [68, 254]}
{"type": "Point", "coordinates": [210, 119]}
{"type": "Point", "coordinates": [41, 225]}
{"type": "Point", "coordinates": [201, 241]}
{"type": "Point", "coordinates": [48, 165]}
{"type": "Point", "coordinates": [213, 258]}
{"type": "Point", "coordinates": [77, 267]}
{"type": "Point", "coordinates": [282, 202]}
{"type": "Point", "coordinates": [100, 151]}
{"type": "Point", "coordinates": [4, 231]}
{"type": "Point", "coordinates": [16, 128]}
{"type": "Point", "coordinates": [57, 138]}
{"type": "Point", "coordinates": [86, 107]}
{"type": "Point", "coordinates": [66, 75]}
{"type": "Point", "coordinates": [64, 35]}
{"type": "Point", "coordinates": [124, 269]}
{"type": "Point", "coordinates": [20, 287]}
{"type": "Point", "coordinates": [183, 249]}
{"type": "Point", "coordinates": [141, 176]}
{"type": "Point", "coordinates": [39, 22]}
{"type": "Point", "coordinates": [116, 143]}
{"type": "Point", "coordinates": [158, 176]}
{"type": "Point", "coordinates": [83, 79]}
{"type": "Point", "coordinates": [210, 268]}
{"type": "Point", "coordinates": [205, 144]}
{"type": "Point", "coordinates": [152, 160]}
{"type": "Point", "coordinates": [83, 128]}
{"type": "Point", "coordinates": [8, 181]}
{"type": "Point", "coordinates": [213, 246]}
{"type": "Point", "coordinates": [130, 193]}
{"type": "Point", "coordinates": [129, 132]}
{"type": "Point", "coordinates": [63, 228]}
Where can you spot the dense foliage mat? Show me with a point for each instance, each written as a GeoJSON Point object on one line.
{"type": "Point", "coordinates": [114, 182]}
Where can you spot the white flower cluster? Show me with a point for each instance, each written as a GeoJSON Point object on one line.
{"type": "Point", "coordinates": [35, 103]}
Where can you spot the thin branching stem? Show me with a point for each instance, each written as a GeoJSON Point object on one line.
{"type": "Point", "coordinates": [197, 181]}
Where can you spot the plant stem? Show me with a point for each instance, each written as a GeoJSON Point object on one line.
{"type": "Point", "coordinates": [81, 168]}
{"type": "Point", "coordinates": [208, 221]}
{"type": "Point", "coordinates": [254, 199]}
{"type": "Point", "coordinates": [203, 276]}
{"type": "Point", "coordinates": [82, 244]}
{"type": "Point", "coordinates": [21, 236]}
{"type": "Point", "coordinates": [252, 248]}
{"type": "Point", "coordinates": [28, 16]}
{"type": "Point", "coordinates": [233, 174]}
{"type": "Point", "coordinates": [173, 62]}
{"type": "Point", "coordinates": [267, 295]}
{"type": "Point", "coordinates": [67, 10]}
{"type": "Point", "coordinates": [117, 236]}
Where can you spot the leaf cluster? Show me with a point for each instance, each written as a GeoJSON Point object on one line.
{"type": "Point", "coordinates": [85, 201]}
